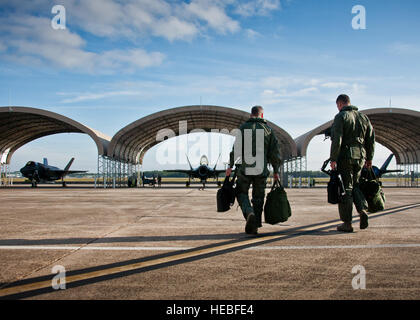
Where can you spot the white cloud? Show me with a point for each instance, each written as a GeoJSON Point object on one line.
{"type": "Point", "coordinates": [131, 19]}
{"type": "Point", "coordinates": [213, 13]}
{"type": "Point", "coordinates": [133, 59]}
{"type": "Point", "coordinates": [273, 97]}
{"type": "Point", "coordinates": [303, 86]}
{"type": "Point", "coordinates": [252, 34]}
{"type": "Point", "coordinates": [358, 89]}
{"type": "Point", "coordinates": [335, 85]}
{"type": "Point", "coordinates": [27, 36]}
{"type": "Point", "coordinates": [257, 7]}
{"type": "Point", "coordinates": [31, 39]}
{"type": "Point", "coordinates": [281, 82]}
{"type": "Point", "coordinates": [134, 19]}
{"type": "Point", "coordinates": [99, 17]}
{"type": "Point", "coordinates": [97, 96]}
{"type": "Point", "coordinates": [175, 29]}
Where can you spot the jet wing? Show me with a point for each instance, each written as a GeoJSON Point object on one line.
{"type": "Point", "coordinates": [389, 171]}
{"type": "Point", "coordinates": [189, 172]}
{"type": "Point", "coordinates": [69, 172]}
{"type": "Point", "coordinates": [217, 172]}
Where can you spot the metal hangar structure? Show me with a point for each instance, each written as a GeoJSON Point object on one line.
{"type": "Point", "coordinates": [129, 145]}
{"type": "Point", "coordinates": [20, 125]}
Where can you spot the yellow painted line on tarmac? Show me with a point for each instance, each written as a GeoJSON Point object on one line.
{"type": "Point", "coordinates": [184, 255]}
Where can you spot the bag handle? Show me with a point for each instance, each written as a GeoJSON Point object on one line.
{"type": "Point", "coordinates": [230, 179]}
{"type": "Point", "coordinates": [325, 165]}
{"type": "Point", "coordinates": [276, 183]}
{"type": "Point", "coordinates": [373, 175]}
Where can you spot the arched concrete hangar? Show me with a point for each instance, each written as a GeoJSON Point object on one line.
{"type": "Point", "coordinates": [397, 129]}
{"type": "Point", "coordinates": [132, 142]}
{"type": "Point", "coordinates": [20, 125]}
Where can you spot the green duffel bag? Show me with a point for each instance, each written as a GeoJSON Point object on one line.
{"type": "Point", "coordinates": [371, 188]}
{"type": "Point", "coordinates": [277, 208]}
{"type": "Point", "coordinates": [377, 202]}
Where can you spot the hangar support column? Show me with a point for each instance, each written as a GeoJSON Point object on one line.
{"type": "Point", "coordinates": [293, 169]}
{"type": "Point", "coordinates": [4, 170]}
{"type": "Point", "coordinates": [104, 174]}
{"type": "Point", "coordinates": [4, 175]}
{"type": "Point", "coordinates": [113, 173]}
{"type": "Point", "coordinates": [409, 177]}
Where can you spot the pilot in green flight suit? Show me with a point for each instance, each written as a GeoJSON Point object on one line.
{"type": "Point", "coordinates": [265, 148]}
{"type": "Point", "coordinates": [352, 147]}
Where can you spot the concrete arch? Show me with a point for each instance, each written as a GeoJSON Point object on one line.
{"type": "Point", "coordinates": [395, 128]}
{"type": "Point", "coordinates": [20, 125]}
{"type": "Point", "coordinates": [132, 142]}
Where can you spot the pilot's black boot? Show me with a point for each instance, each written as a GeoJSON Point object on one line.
{"type": "Point", "coordinates": [363, 220]}
{"type": "Point", "coordinates": [345, 227]}
{"type": "Point", "coordinates": [251, 226]}
{"type": "Point", "coordinates": [258, 205]}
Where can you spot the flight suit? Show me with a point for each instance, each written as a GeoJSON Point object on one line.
{"type": "Point", "coordinates": [353, 142]}
{"type": "Point", "coordinates": [271, 154]}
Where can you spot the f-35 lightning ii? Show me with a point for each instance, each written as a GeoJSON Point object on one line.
{"type": "Point", "coordinates": [203, 172]}
{"type": "Point", "coordinates": [42, 172]}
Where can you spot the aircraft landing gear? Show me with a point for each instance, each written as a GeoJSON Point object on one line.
{"type": "Point", "coordinates": [35, 179]}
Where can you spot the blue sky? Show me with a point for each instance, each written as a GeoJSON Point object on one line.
{"type": "Point", "coordinates": [118, 61]}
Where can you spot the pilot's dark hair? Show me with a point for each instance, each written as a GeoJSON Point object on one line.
{"type": "Point", "coordinates": [256, 110]}
{"type": "Point", "coordinates": [343, 98]}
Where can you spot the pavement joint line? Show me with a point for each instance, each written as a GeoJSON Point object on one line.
{"type": "Point", "coordinates": [45, 284]}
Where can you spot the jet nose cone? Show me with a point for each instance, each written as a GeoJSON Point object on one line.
{"type": "Point", "coordinates": [24, 171]}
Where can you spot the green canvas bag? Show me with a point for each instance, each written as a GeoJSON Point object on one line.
{"type": "Point", "coordinates": [371, 188]}
{"type": "Point", "coordinates": [377, 203]}
{"type": "Point", "coordinates": [277, 208]}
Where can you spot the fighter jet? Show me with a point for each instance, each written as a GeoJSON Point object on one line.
{"type": "Point", "coordinates": [42, 172]}
{"type": "Point", "coordinates": [381, 171]}
{"type": "Point", "coordinates": [203, 172]}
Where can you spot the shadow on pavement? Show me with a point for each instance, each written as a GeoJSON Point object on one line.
{"type": "Point", "coordinates": [237, 239]}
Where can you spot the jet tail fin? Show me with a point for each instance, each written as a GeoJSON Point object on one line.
{"type": "Point", "coordinates": [217, 161]}
{"type": "Point", "coordinates": [386, 163]}
{"type": "Point", "coordinates": [68, 165]}
{"type": "Point", "coordinates": [189, 162]}
{"type": "Point", "coordinates": [45, 161]}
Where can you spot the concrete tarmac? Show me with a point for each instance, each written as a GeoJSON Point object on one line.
{"type": "Point", "coordinates": [170, 243]}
